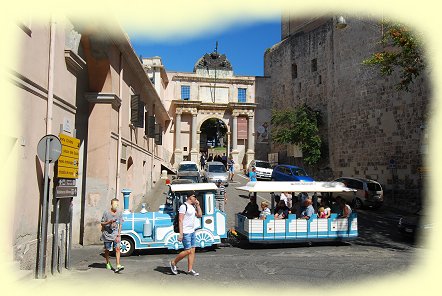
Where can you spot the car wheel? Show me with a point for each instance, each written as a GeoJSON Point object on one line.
{"type": "Point", "coordinates": [357, 203]}
{"type": "Point", "coordinates": [127, 246]}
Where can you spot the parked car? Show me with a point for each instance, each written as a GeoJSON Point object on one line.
{"type": "Point", "coordinates": [284, 172]}
{"type": "Point", "coordinates": [263, 169]}
{"type": "Point", "coordinates": [187, 166]}
{"type": "Point", "coordinates": [412, 225]}
{"type": "Point", "coordinates": [368, 192]}
{"type": "Point", "coordinates": [214, 171]}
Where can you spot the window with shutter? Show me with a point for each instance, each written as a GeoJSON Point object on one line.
{"type": "Point", "coordinates": [151, 127]}
{"type": "Point", "coordinates": [136, 111]}
{"type": "Point", "coordinates": [158, 134]}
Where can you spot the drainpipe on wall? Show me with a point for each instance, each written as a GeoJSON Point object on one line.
{"type": "Point", "coordinates": [120, 114]}
{"type": "Point", "coordinates": [41, 264]}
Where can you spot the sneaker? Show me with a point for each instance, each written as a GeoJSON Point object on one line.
{"type": "Point", "coordinates": [173, 268]}
{"type": "Point", "coordinates": [193, 272]}
{"type": "Point", "coordinates": [119, 268]}
{"type": "Point", "coordinates": [108, 266]}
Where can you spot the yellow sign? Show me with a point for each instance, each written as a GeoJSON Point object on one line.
{"type": "Point", "coordinates": [68, 162]}
{"type": "Point", "coordinates": [69, 141]}
{"type": "Point", "coordinates": [70, 173]}
{"type": "Point", "coordinates": [69, 152]}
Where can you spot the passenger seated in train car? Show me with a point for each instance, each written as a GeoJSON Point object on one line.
{"type": "Point", "coordinates": [309, 211]}
{"type": "Point", "coordinates": [345, 209]}
{"type": "Point", "coordinates": [325, 209]}
{"type": "Point", "coordinates": [287, 198]}
{"type": "Point", "coordinates": [334, 205]}
{"type": "Point", "coordinates": [251, 210]}
{"type": "Point", "coordinates": [281, 210]}
{"type": "Point", "coordinates": [265, 210]}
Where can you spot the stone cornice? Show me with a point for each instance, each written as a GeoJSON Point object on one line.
{"type": "Point", "coordinates": [213, 80]}
{"type": "Point", "coordinates": [104, 98]}
{"type": "Point", "coordinates": [74, 62]}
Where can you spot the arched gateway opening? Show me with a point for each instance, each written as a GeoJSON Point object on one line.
{"type": "Point", "coordinates": [213, 139]}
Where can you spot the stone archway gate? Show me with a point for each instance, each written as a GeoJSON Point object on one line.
{"type": "Point", "coordinates": [228, 113]}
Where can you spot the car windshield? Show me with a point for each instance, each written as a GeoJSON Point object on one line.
{"type": "Point", "coordinates": [188, 167]}
{"type": "Point", "coordinates": [299, 172]}
{"type": "Point", "coordinates": [374, 187]}
{"type": "Point", "coordinates": [217, 168]}
{"type": "Point", "coordinates": [194, 179]}
{"type": "Point", "coordinates": [263, 164]}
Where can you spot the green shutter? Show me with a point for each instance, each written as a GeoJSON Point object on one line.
{"type": "Point", "coordinates": [158, 134]}
{"type": "Point", "coordinates": [151, 127]}
{"type": "Point", "coordinates": [136, 111]}
{"type": "Point", "coordinates": [146, 127]}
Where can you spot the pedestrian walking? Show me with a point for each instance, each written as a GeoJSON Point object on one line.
{"type": "Point", "coordinates": [230, 167]}
{"type": "Point", "coordinates": [252, 175]}
{"type": "Point", "coordinates": [202, 161]}
{"type": "Point", "coordinates": [187, 223]}
{"type": "Point", "coordinates": [221, 196]}
{"type": "Point", "coordinates": [111, 230]}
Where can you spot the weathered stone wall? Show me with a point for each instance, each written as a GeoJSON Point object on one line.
{"type": "Point", "coordinates": [366, 121]}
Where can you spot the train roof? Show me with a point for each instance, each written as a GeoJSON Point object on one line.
{"type": "Point", "coordinates": [193, 186]}
{"type": "Point", "coordinates": [277, 186]}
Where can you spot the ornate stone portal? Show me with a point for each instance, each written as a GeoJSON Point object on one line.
{"type": "Point", "coordinates": [213, 91]}
{"type": "Point", "coordinates": [228, 114]}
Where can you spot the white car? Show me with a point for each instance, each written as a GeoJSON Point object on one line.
{"type": "Point", "coordinates": [263, 169]}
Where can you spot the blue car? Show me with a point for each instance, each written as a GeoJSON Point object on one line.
{"type": "Point", "coordinates": [286, 172]}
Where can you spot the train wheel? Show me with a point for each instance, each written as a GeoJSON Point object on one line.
{"type": "Point", "coordinates": [172, 242]}
{"type": "Point", "coordinates": [204, 238]}
{"type": "Point", "coordinates": [127, 246]}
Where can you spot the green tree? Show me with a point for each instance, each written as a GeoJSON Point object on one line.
{"type": "Point", "coordinates": [299, 126]}
{"type": "Point", "coordinates": [402, 50]}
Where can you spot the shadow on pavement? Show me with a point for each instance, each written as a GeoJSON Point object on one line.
{"type": "Point", "coordinates": [166, 270]}
{"type": "Point", "coordinates": [379, 229]}
{"type": "Point", "coordinates": [97, 265]}
{"type": "Point", "coordinates": [243, 196]}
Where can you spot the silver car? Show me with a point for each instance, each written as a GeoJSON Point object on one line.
{"type": "Point", "coordinates": [214, 171]}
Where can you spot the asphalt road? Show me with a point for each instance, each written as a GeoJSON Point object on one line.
{"type": "Point", "coordinates": [379, 251]}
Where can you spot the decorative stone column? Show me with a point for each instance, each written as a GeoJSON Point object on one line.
{"type": "Point", "coordinates": [235, 151]}
{"type": "Point", "coordinates": [178, 151]}
{"type": "Point", "coordinates": [194, 151]}
{"type": "Point", "coordinates": [250, 139]}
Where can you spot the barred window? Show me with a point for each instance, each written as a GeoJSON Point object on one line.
{"type": "Point", "coordinates": [242, 95]}
{"type": "Point", "coordinates": [185, 92]}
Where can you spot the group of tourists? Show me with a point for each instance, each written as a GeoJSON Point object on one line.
{"type": "Point", "coordinates": [302, 206]}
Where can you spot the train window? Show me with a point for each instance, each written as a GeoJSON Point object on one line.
{"type": "Point", "coordinates": [209, 203]}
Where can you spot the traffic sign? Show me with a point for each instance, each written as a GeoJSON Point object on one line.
{"type": "Point", "coordinates": [69, 141]}
{"type": "Point", "coordinates": [70, 152]}
{"type": "Point", "coordinates": [63, 172]}
{"type": "Point", "coordinates": [65, 191]}
{"type": "Point", "coordinates": [67, 182]}
{"type": "Point", "coordinates": [54, 148]}
{"type": "Point", "coordinates": [68, 162]}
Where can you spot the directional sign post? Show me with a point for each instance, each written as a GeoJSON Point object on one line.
{"type": "Point", "coordinates": [48, 150]}
{"type": "Point", "coordinates": [67, 173]}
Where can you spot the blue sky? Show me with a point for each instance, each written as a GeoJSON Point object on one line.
{"type": "Point", "coordinates": [243, 44]}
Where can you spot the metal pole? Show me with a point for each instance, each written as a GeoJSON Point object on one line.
{"type": "Point", "coordinates": [60, 268]}
{"type": "Point", "coordinates": [44, 218]}
{"type": "Point", "coordinates": [68, 251]}
{"type": "Point", "coordinates": [55, 252]}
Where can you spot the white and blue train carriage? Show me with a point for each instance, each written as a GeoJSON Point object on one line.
{"type": "Point", "coordinates": [293, 229]}
{"type": "Point", "coordinates": [149, 230]}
